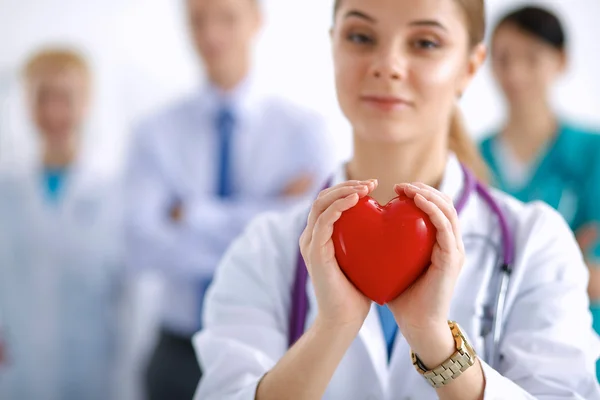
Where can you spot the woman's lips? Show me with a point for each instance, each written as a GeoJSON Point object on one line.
{"type": "Point", "coordinates": [386, 103]}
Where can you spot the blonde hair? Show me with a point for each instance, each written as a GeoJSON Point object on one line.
{"type": "Point", "coordinates": [465, 149]}
{"type": "Point", "coordinates": [459, 141]}
{"type": "Point", "coordinates": [54, 61]}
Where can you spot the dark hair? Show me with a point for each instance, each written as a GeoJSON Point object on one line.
{"type": "Point", "coordinates": [538, 22]}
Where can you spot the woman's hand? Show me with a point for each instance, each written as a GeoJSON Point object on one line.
{"type": "Point", "coordinates": [422, 310]}
{"type": "Point", "coordinates": [340, 303]}
{"type": "Point", "coordinates": [342, 308]}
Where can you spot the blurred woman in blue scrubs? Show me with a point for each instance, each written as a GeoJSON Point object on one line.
{"type": "Point", "coordinates": [59, 249]}
{"type": "Point", "coordinates": [537, 155]}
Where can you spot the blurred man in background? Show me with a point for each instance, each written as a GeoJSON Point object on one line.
{"type": "Point", "coordinates": [59, 249]}
{"type": "Point", "coordinates": [200, 170]}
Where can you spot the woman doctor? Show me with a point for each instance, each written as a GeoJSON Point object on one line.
{"type": "Point", "coordinates": [538, 155]}
{"type": "Point", "coordinates": [60, 262]}
{"type": "Point", "coordinates": [401, 67]}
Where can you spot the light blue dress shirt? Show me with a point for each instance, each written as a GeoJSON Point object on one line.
{"type": "Point", "coordinates": [174, 159]}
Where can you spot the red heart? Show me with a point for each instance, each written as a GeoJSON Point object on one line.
{"type": "Point", "coordinates": [384, 249]}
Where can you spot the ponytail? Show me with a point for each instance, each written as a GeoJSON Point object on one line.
{"type": "Point", "coordinates": [465, 149]}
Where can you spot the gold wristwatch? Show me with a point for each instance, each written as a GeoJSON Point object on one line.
{"type": "Point", "coordinates": [459, 362]}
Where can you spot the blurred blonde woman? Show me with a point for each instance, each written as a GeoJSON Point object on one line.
{"type": "Point", "coordinates": [59, 248]}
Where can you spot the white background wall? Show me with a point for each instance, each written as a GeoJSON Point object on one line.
{"type": "Point", "coordinates": [143, 60]}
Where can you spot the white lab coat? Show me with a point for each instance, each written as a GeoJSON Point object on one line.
{"type": "Point", "coordinates": [59, 285]}
{"type": "Point", "coordinates": [548, 345]}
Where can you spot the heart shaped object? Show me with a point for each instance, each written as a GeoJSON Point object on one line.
{"type": "Point", "coordinates": [384, 249]}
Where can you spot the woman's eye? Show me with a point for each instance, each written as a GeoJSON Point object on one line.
{"type": "Point", "coordinates": [360, 38]}
{"type": "Point", "coordinates": [426, 44]}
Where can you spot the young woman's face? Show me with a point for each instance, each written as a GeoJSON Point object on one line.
{"type": "Point", "coordinates": [401, 65]}
{"type": "Point", "coordinates": [525, 67]}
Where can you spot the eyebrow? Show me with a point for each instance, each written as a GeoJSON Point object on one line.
{"type": "Point", "coordinates": [361, 15]}
{"type": "Point", "coordinates": [425, 22]}
{"type": "Point", "coordinates": [429, 22]}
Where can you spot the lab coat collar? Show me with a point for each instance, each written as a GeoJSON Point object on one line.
{"type": "Point", "coordinates": [452, 182]}
{"type": "Point", "coordinates": [83, 174]}
{"type": "Point", "coordinates": [242, 99]}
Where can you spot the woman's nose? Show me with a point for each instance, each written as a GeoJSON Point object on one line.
{"type": "Point", "coordinates": [389, 65]}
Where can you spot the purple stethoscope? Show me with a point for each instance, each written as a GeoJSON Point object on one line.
{"type": "Point", "coordinates": [494, 312]}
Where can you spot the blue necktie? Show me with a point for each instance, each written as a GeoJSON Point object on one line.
{"type": "Point", "coordinates": [224, 124]}
{"type": "Point", "coordinates": [388, 323]}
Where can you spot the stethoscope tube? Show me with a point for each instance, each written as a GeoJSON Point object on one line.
{"type": "Point", "coordinates": [508, 252]}
{"type": "Point", "coordinates": [493, 356]}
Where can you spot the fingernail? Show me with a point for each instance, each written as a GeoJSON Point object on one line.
{"type": "Point", "coordinates": [360, 187]}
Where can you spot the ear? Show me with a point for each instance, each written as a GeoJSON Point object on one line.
{"type": "Point", "coordinates": [331, 37]}
{"type": "Point", "coordinates": [564, 61]}
{"type": "Point", "coordinates": [476, 60]}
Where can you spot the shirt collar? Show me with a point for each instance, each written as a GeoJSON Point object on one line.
{"type": "Point", "coordinates": [452, 184]}
{"type": "Point", "coordinates": [240, 100]}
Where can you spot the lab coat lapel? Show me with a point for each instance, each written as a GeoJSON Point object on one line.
{"type": "Point", "coordinates": [36, 191]}
{"type": "Point", "coordinates": [34, 199]}
{"type": "Point", "coordinates": [77, 180]}
{"type": "Point", "coordinates": [371, 336]}
{"type": "Point", "coordinates": [58, 220]}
